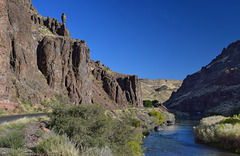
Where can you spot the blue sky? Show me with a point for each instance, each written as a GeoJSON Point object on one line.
{"type": "Point", "coordinates": [156, 39]}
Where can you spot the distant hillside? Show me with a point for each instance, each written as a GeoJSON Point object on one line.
{"type": "Point", "coordinates": [160, 89]}
{"type": "Point", "coordinates": [214, 89]}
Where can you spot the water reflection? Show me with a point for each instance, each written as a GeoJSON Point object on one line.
{"type": "Point", "coordinates": [178, 140]}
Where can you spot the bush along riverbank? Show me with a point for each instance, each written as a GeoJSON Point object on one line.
{"type": "Point", "coordinates": [220, 131]}
{"type": "Point", "coordinates": [146, 119]}
{"type": "Point", "coordinates": [81, 130]}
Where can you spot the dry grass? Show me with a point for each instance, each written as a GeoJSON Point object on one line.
{"type": "Point", "coordinates": [56, 145]}
{"type": "Point", "coordinates": [20, 123]}
{"type": "Point", "coordinates": [17, 152]}
{"type": "Point", "coordinates": [98, 151]}
{"type": "Point", "coordinates": [159, 89]}
{"type": "Point", "coordinates": [213, 130]}
{"type": "Point", "coordinates": [212, 120]}
{"type": "Point", "coordinates": [45, 31]}
{"type": "Point", "coordinates": [12, 135]}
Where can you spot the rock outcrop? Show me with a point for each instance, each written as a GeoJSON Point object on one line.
{"type": "Point", "coordinates": [123, 89]}
{"type": "Point", "coordinates": [65, 63]}
{"type": "Point", "coordinates": [19, 74]}
{"type": "Point", "coordinates": [52, 24]}
{"type": "Point", "coordinates": [64, 18]}
{"type": "Point", "coordinates": [214, 89]}
{"type": "Point", "coordinates": [39, 60]}
{"type": "Point", "coordinates": [159, 89]}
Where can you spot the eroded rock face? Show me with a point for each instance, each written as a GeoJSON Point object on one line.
{"type": "Point", "coordinates": [18, 69]}
{"type": "Point", "coordinates": [52, 24]}
{"type": "Point", "coordinates": [38, 59]}
{"type": "Point", "coordinates": [214, 89]}
{"type": "Point", "coordinates": [66, 65]}
{"type": "Point", "coordinates": [124, 90]}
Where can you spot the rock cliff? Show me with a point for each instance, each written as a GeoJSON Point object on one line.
{"type": "Point", "coordinates": [159, 89]}
{"type": "Point", "coordinates": [214, 89]}
{"type": "Point", "coordinates": [39, 60]}
{"type": "Point", "coordinates": [124, 90]}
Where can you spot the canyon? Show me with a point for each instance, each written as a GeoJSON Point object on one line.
{"type": "Point", "coordinates": [39, 60]}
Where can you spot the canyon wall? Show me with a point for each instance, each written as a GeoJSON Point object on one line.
{"type": "Point", "coordinates": [40, 60]}
{"type": "Point", "coordinates": [215, 89]}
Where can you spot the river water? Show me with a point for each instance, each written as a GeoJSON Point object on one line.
{"type": "Point", "coordinates": [178, 140]}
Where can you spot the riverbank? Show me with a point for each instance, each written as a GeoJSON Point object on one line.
{"type": "Point", "coordinates": [177, 140]}
{"type": "Point", "coordinates": [219, 131]}
{"type": "Point", "coordinates": [141, 118]}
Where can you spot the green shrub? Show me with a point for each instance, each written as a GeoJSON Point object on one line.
{"type": "Point", "coordinates": [136, 147]}
{"type": "Point", "coordinates": [39, 109]}
{"type": "Point", "coordinates": [121, 134]}
{"type": "Point", "coordinates": [135, 123]}
{"type": "Point", "coordinates": [17, 152]}
{"type": "Point", "coordinates": [231, 121]}
{"type": "Point", "coordinates": [131, 111]}
{"type": "Point", "coordinates": [14, 110]}
{"type": "Point", "coordinates": [147, 103]}
{"type": "Point", "coordinates": [86, 125]}
{"type": "Point", "coordinates": [235, 116]}
{"type": "Point", "coordinates": [157, 115]}
{"type": "Point", "coordinates": [24, 102]}
{"type": "Point", "coordinates": [155, 103]}
{"type": "Point", "coordinates": [89, 127]}
{"type": "Point", "coordinates": [12, 140]}
{"type": "Point", "coordinates": [57, 145]}
{"type": "Point", "coordinates": [45, 104]}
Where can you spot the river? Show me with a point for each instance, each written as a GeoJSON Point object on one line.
{"type": "Point", "coordinates": [178, 140]}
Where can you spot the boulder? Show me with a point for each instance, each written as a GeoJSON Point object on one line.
{"type": "Point", "coordinates": [158, 128]}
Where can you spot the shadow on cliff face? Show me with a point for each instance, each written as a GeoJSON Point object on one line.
{"type": "Point", "coordinates": [65, 64]}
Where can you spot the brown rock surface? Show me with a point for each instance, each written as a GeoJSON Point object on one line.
{"type": "Point", "coordinates": [20, 77]}
{"type": "Point", "coordinates": [25, 39]}
{"type": "Point", "coordinates": [214, 89]}
{"type": "Point", "coordinates": [124, 90]}
{"type": "Point", "coordinates": [39, 60]}
{"type": "Point", "coordinates": [65, 64]}
{"type": "Point", "coordinates": [159, 89]}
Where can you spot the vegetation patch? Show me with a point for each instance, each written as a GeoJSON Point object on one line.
{"type": "Point", "coordinates": [219, 131]}
{"type": "Point", "coordinates": [12, 135]}
{"type": "Point", "coordinates": [17, 152]}
{"type": "Point", "coordinates": [157, 115]}
{"type": "Point", "coordinates": [28, 107]}
{"type": "Point", "coordinates": [56, 145]}
{"type": "Point", "coordinates": [150, 104]}
{"type": "Point", "coordinates": [88, 127]}
{"type": "Point", "coordinates": [135, 123]}
{"type": "Point", "coordinates": [233, 121]}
